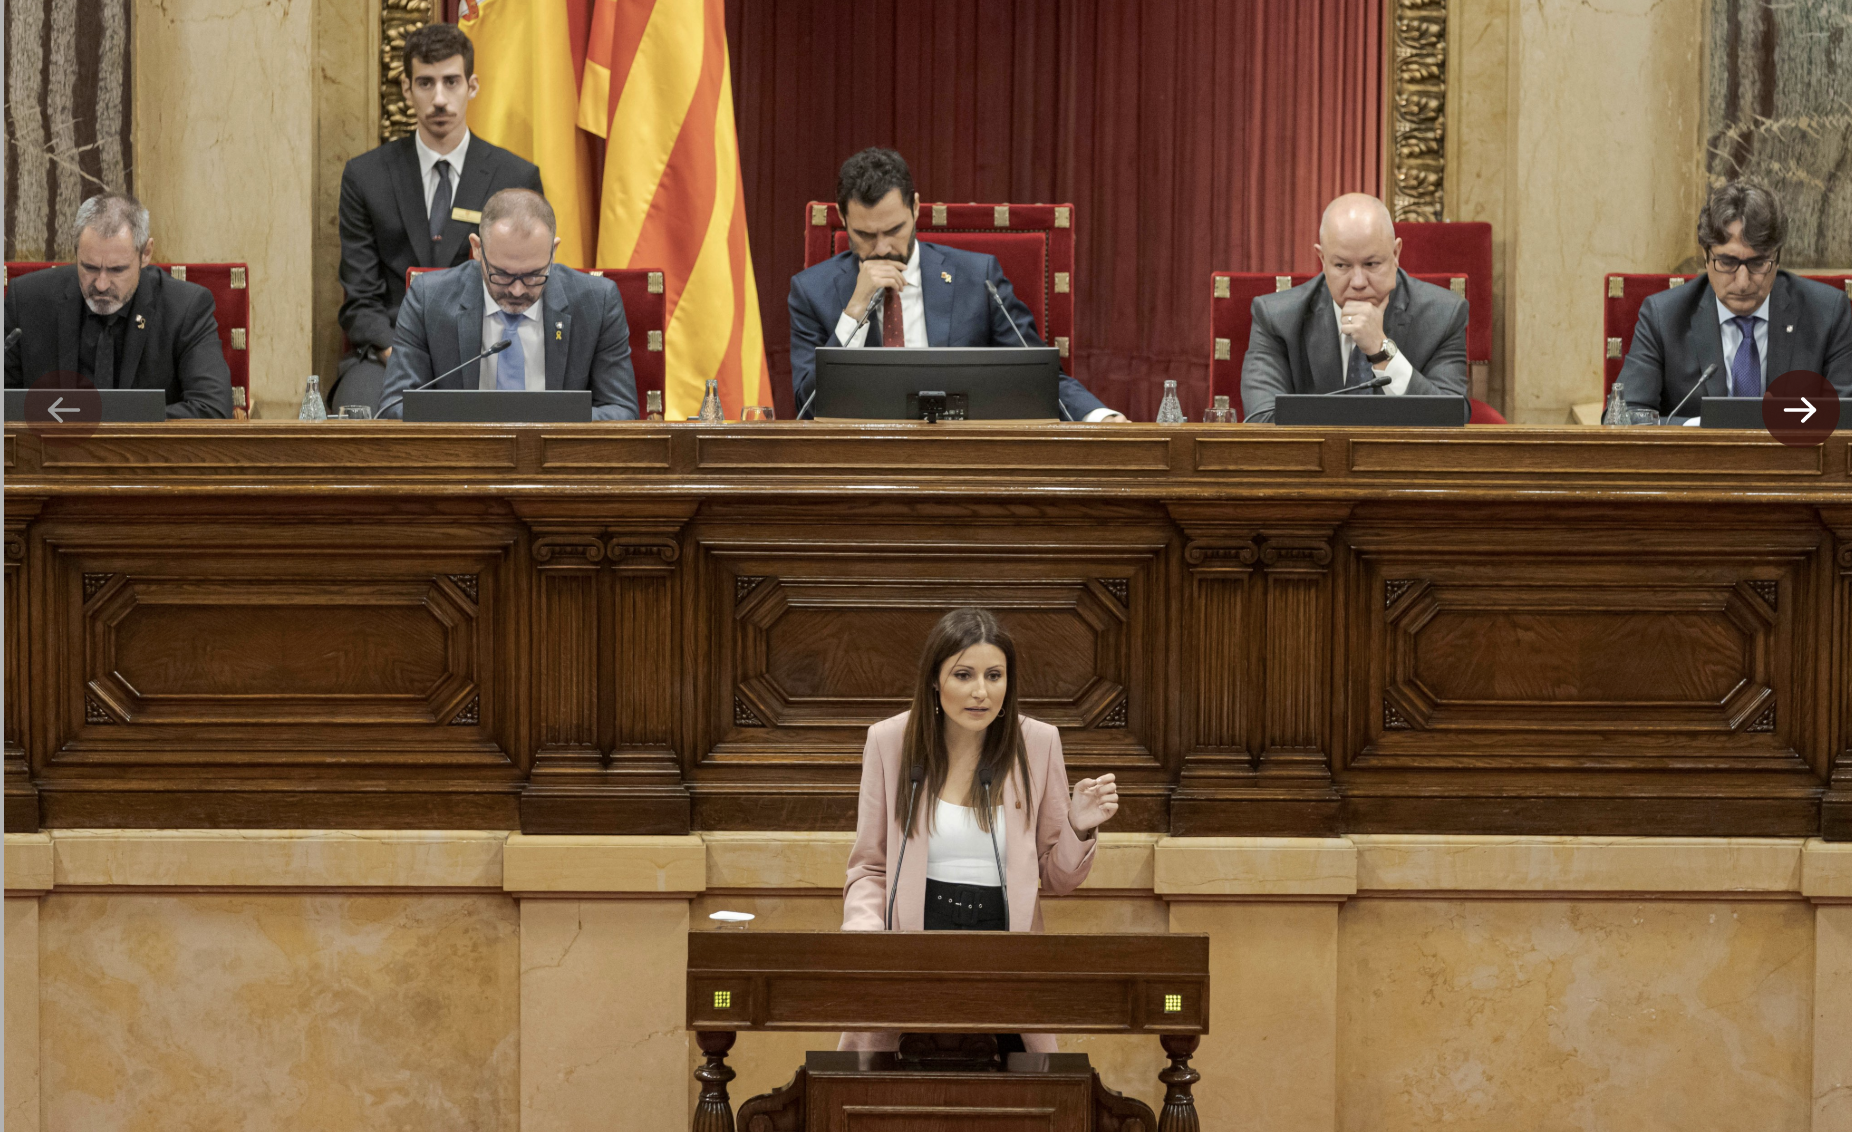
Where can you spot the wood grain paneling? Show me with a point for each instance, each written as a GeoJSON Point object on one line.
{"type": "Point", "coordinates": [665, 627]}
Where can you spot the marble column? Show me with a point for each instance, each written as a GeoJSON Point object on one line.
{"type": "Point", "coordinates": [28, 877]}
{"type": "Point", "coordinates": [1827, 881]}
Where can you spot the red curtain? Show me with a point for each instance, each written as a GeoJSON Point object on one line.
{"type": "Point", "coordinates": [1191, 135]}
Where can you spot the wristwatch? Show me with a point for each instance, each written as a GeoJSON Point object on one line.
{"type": "Point", "coordinates": [1388, 351]}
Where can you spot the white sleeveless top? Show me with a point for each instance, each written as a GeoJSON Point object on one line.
{"type": "Point", "coordinates": [958, 852]}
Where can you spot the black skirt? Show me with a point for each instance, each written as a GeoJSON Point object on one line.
{"type": "Point", "coordinates": [970, 908]}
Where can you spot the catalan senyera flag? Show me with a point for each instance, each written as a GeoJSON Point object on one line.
{"type": "Point", "coordinates": [651, 79]}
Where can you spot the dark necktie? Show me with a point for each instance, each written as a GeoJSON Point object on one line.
{"type": "Point", "coordinates": [893, 324]}
{"type": "Point", "coordinates": [1746, 367]}
{"type": "Point", "coordinates": [103, 367]}
{"type": "Point", "coordinates": [440, 202]}
{"type": "Point", "coordinates": [1359, 371]}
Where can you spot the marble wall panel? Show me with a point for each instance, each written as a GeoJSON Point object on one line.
{"type": "Point", "coordinates": [258, 1012]}
{"type": "Point", "coordinates": [1557, 1015]}
{"type": "Point", "coordinates": [22, 1015]}
{"type": "Point", "coordinates": [346, 112]}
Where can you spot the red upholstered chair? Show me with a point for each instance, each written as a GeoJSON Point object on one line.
{"type": "Point", "coordinates": [1034, 243]}
{"type": "Point", "coordinates": [1231, 318]}
{"type": "Point", "coordinates": [1457, 248]}
{"type": "Point", "coordinates": [231, 302]}
{"type": "Point", "coordinates": [645, 312]}
{"type": "Point", "coordinates": [1621, 314]}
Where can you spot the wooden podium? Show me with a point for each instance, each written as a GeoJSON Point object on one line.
{"type": "Point", "coordinates": [946, 983]}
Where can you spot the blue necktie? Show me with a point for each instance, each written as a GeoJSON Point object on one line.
{"type": "Point", "coordinates": [1746, 367]}
{"type": "Point", "coordinates": [1359, 371]}
{"type": "Point", "coordinates": [511, 364]}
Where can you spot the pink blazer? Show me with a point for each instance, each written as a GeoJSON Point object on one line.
{"type": "Point", "coordinates": [1054, 857]}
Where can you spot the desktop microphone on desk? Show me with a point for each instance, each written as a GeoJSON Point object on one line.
{"type": "Point", "coordinates": [874, 301]}
{"type": "Point", "coordinates": [1020, 340]}
{"type": "Point", "coordinates": [492, 350]}
{"type": "Point", "coordinates": [1702, 378]}
{"type": "Point", "coordinates": [914, 775]}
{"type": "Point", "coordinates": [1376, 382]}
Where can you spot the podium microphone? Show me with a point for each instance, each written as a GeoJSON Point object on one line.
{"type": "Point", "coordinates": [492, 350]}
{"type": "Point", "coordinates": [1702, 378]}
{"type": "Point", "coordinates": [13, 336]}
{"type": "Point", "coordinates": [1020, 340]}
{"type": "Point", "coordinates": [983, 778]}
{"type": "Point", "coordinates": [1376, 382]}
{"type": "Point", "coordinates": [917, 773]}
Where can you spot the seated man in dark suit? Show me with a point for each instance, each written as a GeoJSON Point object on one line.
{"type": "Point", "coordinates": [1792, 323]}
{"type": "Point", "coordinates": [934, 295]}
{"type": "Point", "coordinates": [117, 320]}
{"type": "Point", "coordinates": [414, 203]}
{"type": "Point", "coordinates": [1363, 319]}
{"type": "Point", "coordinates": [567, 328]}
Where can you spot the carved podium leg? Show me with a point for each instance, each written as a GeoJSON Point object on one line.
{"type": "Point", "coordinates": [714, 1111]}
{"type": "Point", "coordinates": [1179, 1106]}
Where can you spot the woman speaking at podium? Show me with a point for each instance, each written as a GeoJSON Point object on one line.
{"type": "Point", "coordinates": [965, 805]}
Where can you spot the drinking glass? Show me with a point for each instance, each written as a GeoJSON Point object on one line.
{"type": "Point", "coordinates": [355, 413]}
{"type": "Point", "coordinates": [753, 414]}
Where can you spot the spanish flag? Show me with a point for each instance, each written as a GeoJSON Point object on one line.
{"type": "Point", "coordinates": [657, 88]}
{"type": "Point", "coordinates": [648, 82]}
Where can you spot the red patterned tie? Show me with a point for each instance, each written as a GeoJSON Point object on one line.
{"type": "Point", "coordinates": [893, 329]}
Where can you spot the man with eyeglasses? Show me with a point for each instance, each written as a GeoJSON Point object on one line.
{"type": "Point", "coordinates": [566, 328]}
{"type": "Point", "coordinates": [1744, 315]}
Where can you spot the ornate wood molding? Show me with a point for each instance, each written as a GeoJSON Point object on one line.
{"type": "Point", "coordinates": [396, 20]}
{"type": "Point", "coordinates": [1418, 108]}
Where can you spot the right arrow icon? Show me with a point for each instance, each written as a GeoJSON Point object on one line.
{"type": "Point", "coordinates": [1809, 410]}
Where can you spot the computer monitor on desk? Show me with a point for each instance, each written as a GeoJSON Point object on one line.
{"type": "Point", "coordinates": [952, 383]}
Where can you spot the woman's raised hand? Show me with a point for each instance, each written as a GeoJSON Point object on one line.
{"type": "Point", "coordinates": [1096, 800]}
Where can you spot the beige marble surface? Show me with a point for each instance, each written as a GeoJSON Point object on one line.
{"type": "Point", "coordinates": [21, 1106]}
{"type": "Point", "coordinates": [1255, 866]}
{"type": "Point", "coordinates": [28, 862]}
{"type": "Point", "coordinates": [603, 864]}
{"type": "Point", "coordinates": [281, 858]}
{"type": "Point", "coordinates": [1551, 1015]}
{"type": "Point", "coordinates": [1389, 862]}
{"type": "Point", "coordinates": [1826, 869]}
{"type": "Point", "coordinates": [1832, 1019]}
{"type": "Point", "coordinates": [1478, 146]}
{"type": "Point", "coordinates": [258, 1012]}
{"type": "Point", "coordinates": [602, 1005]}
{"type": "Point", "coordinates": [795, 860]}
{"type": "Point", "coordinates": [1269, 1060]}
{"type": "Point", "coordinates": [346, 92]}
{"type": "Point", "coordinates": [224, 135]}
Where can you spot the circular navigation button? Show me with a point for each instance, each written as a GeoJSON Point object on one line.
{"type": "Point", "coordinates": [1800, 408]}
{"type": "Point", "coordinates": [64, 401]}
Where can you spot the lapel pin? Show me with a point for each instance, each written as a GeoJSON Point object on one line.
{"type": "Point", "coordinates": [559, 332]}
{"type": "Point", "coordinates": [141, 323]}
{"type": "Point", "coordinates": [946, 275]}
{"type": "Point", "coordinates": [1790, 330]}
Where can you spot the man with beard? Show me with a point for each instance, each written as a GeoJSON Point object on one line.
{"type": "Point", "coordinates": [414, 202]}
{"type": "Point", "coordinates": [566, 329]}
{"type": "Point", "coordinates": [116, 320]}
{"type": "Point", "coordinates": [932, 295]}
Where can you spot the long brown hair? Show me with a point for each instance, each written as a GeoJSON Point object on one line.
{"type": "Point", "coordinates": [1003, 754]}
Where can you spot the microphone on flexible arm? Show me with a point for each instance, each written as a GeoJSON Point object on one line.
{"type": "Point", "coordinates": [915, 774]}
{"type": "Point", "coordinates": [1376, 382]}
{"type": "Point", "coordinates": [12, 337]}
{"type": "Point", "coordinates": [874, 301]}
{"type": "Point", "coordinates": [983, 778]}
{"type": "Point", "coordinates": [1023, 342]}
{"type": "Point", "coordinates": [491, 351]}
{"type": "Point", "coordinates": [1702, 378]}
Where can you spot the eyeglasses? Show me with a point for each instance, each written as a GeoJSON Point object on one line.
{"type": "Point", "coordinates": [504, 279]}
{"type": "Point", "coordinates": [1758, 266]}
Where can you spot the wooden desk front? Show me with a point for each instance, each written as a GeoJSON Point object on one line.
{"type": "Point", "coordinates": [648, 628]}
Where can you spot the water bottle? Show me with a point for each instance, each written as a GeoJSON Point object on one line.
{"type": "Point", "coordinates": [312, 407]}
{"type": "Point", "coordinates": [1170, 412]}
{"type": "Point", "coordinates": [711, 412]}
{"type": "Point", "coordinates": [1615, 413]}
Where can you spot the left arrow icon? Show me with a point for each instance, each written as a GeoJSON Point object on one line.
{"type": "Point", "coordinates": [57, 411]}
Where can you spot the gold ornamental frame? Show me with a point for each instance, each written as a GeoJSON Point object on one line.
{"type": "Point", "coordinates": [1417, 109]}
{"type": "Point", "coordinates": [396, 20]}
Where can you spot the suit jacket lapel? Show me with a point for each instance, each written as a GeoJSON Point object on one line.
{"type": "Point", "coordinates": [1704, 340]}
{"type": "Point", "coordinates": [471, 193]}
{"type": "Point", "coordinates": [1321, 345]}
{"type": "Point", "coordinates": [936, 292]}
{"type": "Point", "coordinates": [1780, 317]}
{"type": "Point", "coordinates": [135, 335]}
{"type": "Point", "coordinates": [555, 329]}
{"type": "Point", "coordinates": [470, 309]}
{"type": "Point", "coordinates": [408, 187]}
{"type": "Point", "coordinates": [1395, 315]}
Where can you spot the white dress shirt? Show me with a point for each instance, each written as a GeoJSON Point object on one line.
{"type": "Point", "coordinates": [1733, 339]}
{"type": "Point", "coordinates": [533, 343]}
{"type": "Point", "coordinates": [1399, 368]}
{"type": "Point", "coordinates": [427, 167]}
{"type": "Point", "coordinates": [913, 319]}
